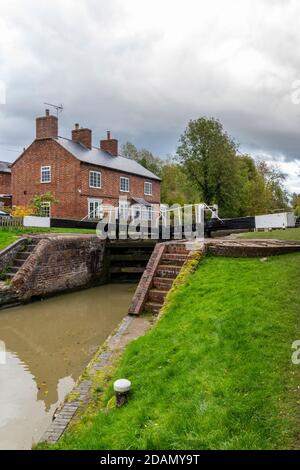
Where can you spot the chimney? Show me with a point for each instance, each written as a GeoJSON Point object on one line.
{"type": "Point", "coordinates": [82, 135]}
{"type": "Point", "coordinates": [110, 145]}
{"type": "Point", "coordinates": [47, 126]}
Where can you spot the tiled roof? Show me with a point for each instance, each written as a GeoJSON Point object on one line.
{"type": "Point", "coordinates": [5, 167]}
{"type": "Point", "coordinates": [97, 156]}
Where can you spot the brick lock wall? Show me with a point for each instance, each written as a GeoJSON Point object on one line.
{"type": "Point", "coordinates": [70, 181]}
{"type": "Point", "coordinates": [5, 183]}
{"type": "Point", "coordinates": [62, 263]}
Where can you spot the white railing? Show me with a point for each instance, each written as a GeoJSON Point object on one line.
{"type": "Point", "coordinates": [178, 211]}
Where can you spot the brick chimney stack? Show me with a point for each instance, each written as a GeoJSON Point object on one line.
{"type": "Point", "coordinates": [110, 145]}
{"type": "Point", "coordinates": [82, 135]}
{"type": "Point", "coordinates": [47, 126]}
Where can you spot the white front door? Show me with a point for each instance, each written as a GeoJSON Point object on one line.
{"type": "Point", "coordinates": [95, 209]}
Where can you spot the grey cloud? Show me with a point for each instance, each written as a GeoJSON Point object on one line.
{"type": "Point", "coordinates": [143, 69]}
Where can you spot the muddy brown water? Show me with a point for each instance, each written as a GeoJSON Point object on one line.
{"type": "Point", "coordinates": [48, 344]}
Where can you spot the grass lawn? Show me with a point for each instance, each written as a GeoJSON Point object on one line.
{"type": "Point", "coordinates": [215, 372]}
{"type": "Point", "coordinates": [8, 236]}
{"type": "Point", "coordinates": [288, 234]}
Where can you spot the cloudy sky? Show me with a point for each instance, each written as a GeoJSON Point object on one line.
{"type": "Point", "coordinates": [143, 68]}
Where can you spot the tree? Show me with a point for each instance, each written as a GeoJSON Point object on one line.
{"type": "Point", "coordinates": [296, 203]}
{"type": "Point", "coordinates": [176, 187]}
{"type": "Point", "coordinates": [143, 157]}
{"type": "Point", "coordinates": [274, 182]}
{"type": "Point", "coordinates": [208, 155]}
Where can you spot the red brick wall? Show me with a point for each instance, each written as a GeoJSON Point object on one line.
{"type": "Point", "coordinates": [5, 183]}
{"type": "Point", "coordinates": [84, 136]}
{"type": "Point", "coordinates": [70, 181]}
{"type": "Point", "coordinates": [110, 190]}
{"type": "Point", "coordinates": [62, 263]}
{"type": "Point", "coordinates": [64, 184]}
{"type": "Point", "coordinates": [46, 127]}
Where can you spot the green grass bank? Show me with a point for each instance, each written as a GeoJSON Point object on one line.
{"type": "Point", "coordinates": [288, 234]}
{"type": "Point", "coordinates": [215, 372]}
{"type": "Point", "coordinates": [8, 236]}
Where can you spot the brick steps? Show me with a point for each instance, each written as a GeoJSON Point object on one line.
{"type": "Point", "coordinates": [162, 269]}
{"type": "Point", "coordinates": [174, 258]}
{"type": "Point", "coordinates": [157, 295]}
{"type": "Point", "coordinates": [178, 248]}
{"type": "Point", "coordinates": [170, 264]}
{"type": "Point", "coordinates": [153, 307]}
{"type": "Point", "coordinates": [21, 257]}
{"type": "Point", "coordinates": [167, 270]}
{"type": "Point", "coordinates": [162, 282]}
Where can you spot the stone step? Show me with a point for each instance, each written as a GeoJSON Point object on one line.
{"type": "Point", "coordinates": [162, 282]}
{"type": "Point", "coordinates": [177, 248]}
{"type": "Point", "coordinates": [18, 262]}
{"type": "Point", "coordinates": [169, 271]}
{"type": "Point", "coordinates": [153, 307]}
{"type": "Point", "coordinates": [23, 255]}
{"type": "Point", "coordinates": [174, 258]}
{"type": "Point", "coordinates": [14, 269]}
{"type": "Point", "coordinates": [157, 295]}
{"type": "Point", "coordinates": [31, 247]}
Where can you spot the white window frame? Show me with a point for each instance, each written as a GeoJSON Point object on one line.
{"type": "Point", "coordinates": [148, 184]}
{"type": "Point", "coordinates": [46, 168]}
{"type": "Point", "coordinates": [147, 212]}
{"type": "Point", "coordinates": [91, 178]}
{"type": "Point", "coordinates": [95, 213]}
{"type": "Point", "coordinates": [44, 205]}
{"type": "Point", "coordinates": [125, 179]}
{"type": "Point", "coordinates": [124, 210]}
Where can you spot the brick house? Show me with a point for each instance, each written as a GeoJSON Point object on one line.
{"type": "Point", "coordinates": [5, 184]}
{"type": "Point", "coordinates": [82, 177]}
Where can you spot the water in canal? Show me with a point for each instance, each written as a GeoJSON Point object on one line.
{"type": "Point", "coordinates": [48, 344]}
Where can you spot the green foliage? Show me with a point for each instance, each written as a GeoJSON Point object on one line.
{"type": "Point", "coordinates": [176, 188]}
{"type": "Point", "coordinates": [259, 188]}
{"type": "Point", "coordinates": [143, 157]}
{"type": "Point", "coordinates": [211, 170]}
{"type": "Point", "coordinates": [209, 157]}
{"type": "Point", "coordinates": [39, 199]}
{"type": "Point", "coordinates": [4, 272]}
{"type": "Point", "coordinates": [296, 204]}
{"type": "Point", "coordinates": [215, 372]}
{"type": "Point", "coordinates": [238, 184]}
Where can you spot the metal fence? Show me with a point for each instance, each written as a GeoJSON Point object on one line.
{"type": "Point", "coordinates": [11, 222]}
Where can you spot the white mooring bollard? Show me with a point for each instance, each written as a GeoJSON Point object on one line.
{"type": "Point", "coordinates": [122, 388]}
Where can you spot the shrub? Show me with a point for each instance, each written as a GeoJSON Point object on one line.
{"type": "Point", "coordinates": [21, 211]}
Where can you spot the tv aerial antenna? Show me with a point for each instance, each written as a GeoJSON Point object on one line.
{"type": "Point", "coordinates": [58, 107]}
